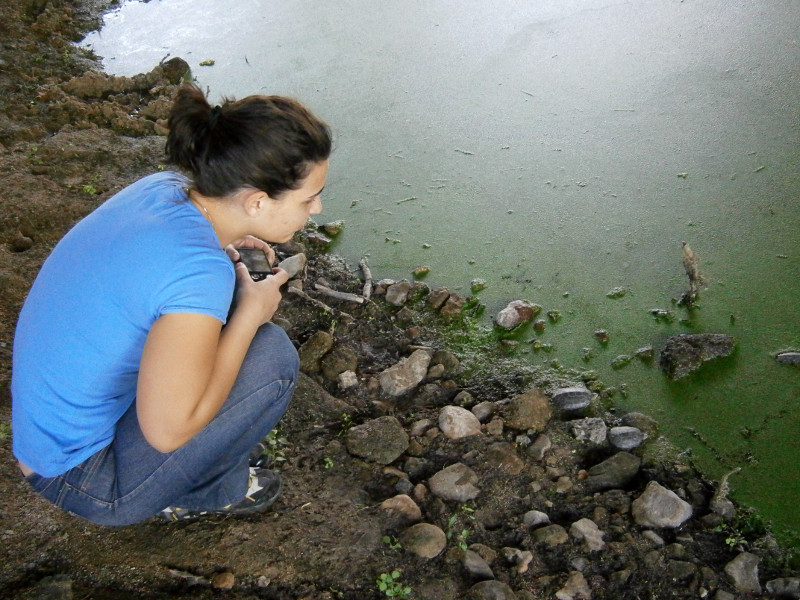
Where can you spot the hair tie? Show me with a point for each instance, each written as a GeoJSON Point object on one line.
{"type": "Point", "coordinates": [214, 116]}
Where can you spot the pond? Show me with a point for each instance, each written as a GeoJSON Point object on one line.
{"type": "Point", "coordinates": [558, 150]}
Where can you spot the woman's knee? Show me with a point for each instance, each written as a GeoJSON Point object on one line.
{"type": "Point", "coordinates": [272, 346]}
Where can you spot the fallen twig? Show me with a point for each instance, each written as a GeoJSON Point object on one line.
{"type": "Point", "coordinates": [339, 295]}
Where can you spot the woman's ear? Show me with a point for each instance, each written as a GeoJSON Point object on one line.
{"type": "Point", "coordinates": [254, 202]}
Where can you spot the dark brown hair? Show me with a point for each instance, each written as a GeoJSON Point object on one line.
{"type": "Point", "coordinates": [268, 143]}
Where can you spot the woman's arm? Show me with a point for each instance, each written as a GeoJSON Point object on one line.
{"type": "Point", "coordinates": [190, 362]}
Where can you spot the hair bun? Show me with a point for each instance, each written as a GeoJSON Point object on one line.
{"type": "Point", "coordinates": [213, 118]}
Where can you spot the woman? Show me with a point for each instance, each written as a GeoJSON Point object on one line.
{"type": "Point", "coordinates": [134, 391]}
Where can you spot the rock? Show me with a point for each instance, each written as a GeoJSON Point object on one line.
{"type": "Point", "coordinates": [347, 380]}
{"type": "Point", "coordinates": [534, 518]}
{"type": "Point", "coordinates": [614, 472]}
{"type": "Point", "coordinates": [21, 243]}
{"type": "Point", "coordinates": [785, 587]}
{"type": "Point", "coordinates": [641, 421]}
{"type": "Point", "coordinates": [337, 361]}
{"type": "Point", "coordinates": [452, 307]}
{"type": "Point", "coordinates": [503, 456]}
{"type": "Point", "coordinates": [381, 440]}
{"type": "Point", "coordinates": [659, 507]}
{"type": "Point", "coordinates": [552, 535]}
{"type": "Point", "coordinates": [486, 552]}
{"type": "Point", "coordinates": [789, 358]}
{"type": "Point", "coordinates": [333, 228]}
{"type": "Point", "coordinates": [490, 590]}
{"type": "Point", "coordinates": [406, 374]}
{"type": "Point", "coordinates": [421, 271]}
{"type": "Point", "coordinates": [450, 362]}
{"type": "Point", "coordinates": [318, 240]}
{"type": "Point", "coordinates": [687, 352]}
{"type": "Point", "coordinates": [477, 285]}
{"type": "Point", "coordinates": [540, 446]}
{"type": "Point", "coordinates": [424, 539]}
{"type": "Point", "coordinates": [312, 405]}
{"type": "Point", "coordinates": [625, 438]}
{"type": "Point", "coordinates": [681, 571]}
{"type": "Point", "coordinates": [223, 581]}
{"type": "Point", "coordinates": [529, 410]}
{"type": "Point", "coordinates": [55, 587]}
{"type": "Point", "coordinates": [397, 294]}
{"type": "Point", "coordinates": [516, 313]}
{"type": "Point", "coordinates": [456, 482]}
{"type": "Point", "coordinates": [592, 429]}
{"type": "Point", "coordinates": [484, 411]}
{"type": "Point", "coordinates": [621, 361]}
{"type": "Point", "coordinates": [438, 297]}
{"type": "Point", "coordinates": [572, 398]}
{"type": "Point", "coordinates": [456, 422]}
{"type": "Point", "coordinates": [295, 265]}
{"type": "Point", "coordinates": [477, 567]}
{"type": "Point", "coordinates": [587, 530]}
{"type": "Point", "coordinates": [743, 570]}
{"type": "Point", "coordinates": [419, 428]}
{"type": "Point", "coordinates": [312, 351]}
{"type": "Point", "coordinates": [576, 588]}
{"type": "Point", "coordinates": [407, 511]}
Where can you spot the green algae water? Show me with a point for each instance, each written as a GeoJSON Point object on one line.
{"type": "Point", "coordinates": [558, 151]}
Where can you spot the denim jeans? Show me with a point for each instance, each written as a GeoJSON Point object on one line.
{"type": "Point", "coordinates": [129, 481]}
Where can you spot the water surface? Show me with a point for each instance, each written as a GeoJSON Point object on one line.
{"type": "Point", "coordinates": [557, 150]}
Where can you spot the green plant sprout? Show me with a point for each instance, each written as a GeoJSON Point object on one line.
{"type": "Point", "coordinates": [347, 423]}
{"type": "Point", "coordinates": [275, 444]}
{"type": "Point", "coordinates": [389, 584]}
{"type": "Point", "coordinates": [456, 533]}
{"type": "Point", "coordinates": [392, 542]}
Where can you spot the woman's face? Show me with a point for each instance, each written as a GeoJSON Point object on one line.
{"type": "Point", "coordinates": [287, 215]}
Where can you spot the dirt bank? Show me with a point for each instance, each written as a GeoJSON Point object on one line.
{"type": "Point", "coordinates": [69, 137]}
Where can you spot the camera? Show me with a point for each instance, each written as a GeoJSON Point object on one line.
{"type": "Point", "coordinates": [256, 262]}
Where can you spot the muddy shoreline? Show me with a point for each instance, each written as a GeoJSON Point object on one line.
{"type": "Point", "coordinates": [70, 137]}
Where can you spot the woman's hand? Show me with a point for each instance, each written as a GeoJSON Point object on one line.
{"type": "Point", "coordinates": [249, 241]}
{"type": "Point", "coordinates": [257, 300]}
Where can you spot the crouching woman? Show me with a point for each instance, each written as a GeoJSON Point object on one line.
{"type": "Point", "coordinates": [136, 389]}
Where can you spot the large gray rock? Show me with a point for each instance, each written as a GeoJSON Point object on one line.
{"type": "Point", "coordinates": [397, 293]}
{"type": "Point", "coordinates": [516, 313]}
{"type": "Point", "coordinates": [660, 507]}
{"type": "Point", "coordinates": [457, 422]}
{"type": "Point", "coordinates": [614, 472]}
{"type": "Point", "coordinates": [743, 570]}
{"type": "Point", "coordinates": [381, 440]}
{"type": "Point", "coordinates": [456, 482]}
{"type": "Point", "coordinates": [687, 352]}
{"type": "Point", "coordinates": [490, 590]}
{"type": "Point", "coordinates": [476, 566]}
{"type": "Point", "coordinates": [625, 437]}
{"type": "Point", "coordinates": [785, 587]}
{"type": "Point", "coordinates": [424, 539]}
{"type": "Point", "coordinates": [789, 358]}
{"type": "Point", "coordinates": [572, 398]}
{"type": "Point", "coordinates": [406, 374]}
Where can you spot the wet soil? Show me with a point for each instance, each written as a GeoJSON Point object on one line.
{"type": "Point", "coordinates": [69, 138]}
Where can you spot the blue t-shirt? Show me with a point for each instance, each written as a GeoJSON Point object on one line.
{"type": "Point", "coordinates": [145, 252]}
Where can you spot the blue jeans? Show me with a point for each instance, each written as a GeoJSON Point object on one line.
{"type": "Point", "coordinates": [129, 481]}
